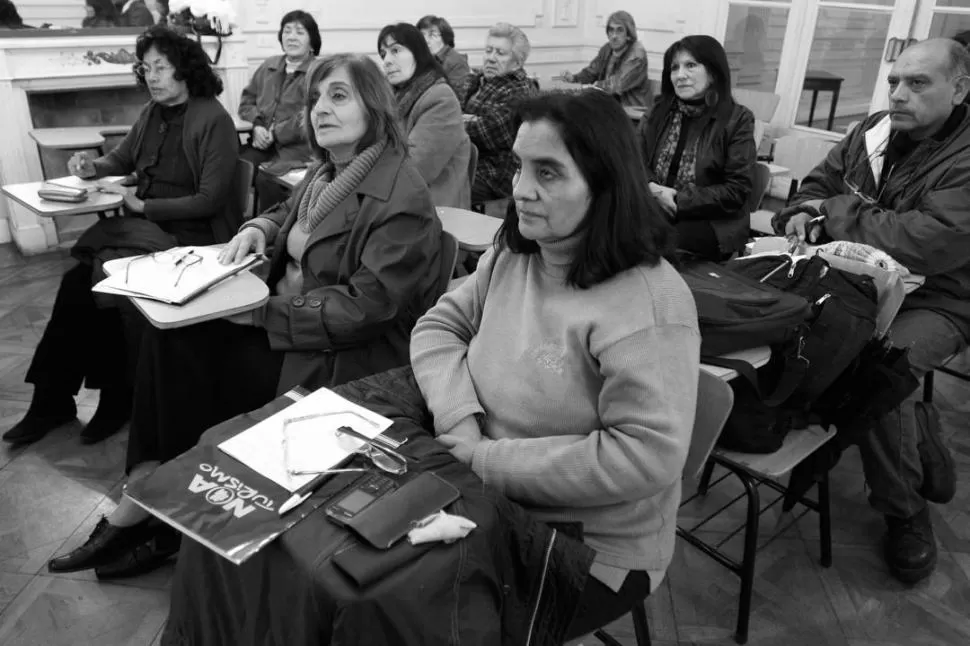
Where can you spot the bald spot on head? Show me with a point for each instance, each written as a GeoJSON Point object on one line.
{"type": "Point", "coordinates": [936, 54]}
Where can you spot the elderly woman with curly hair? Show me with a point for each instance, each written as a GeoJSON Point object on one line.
{"type": "Point", "coordinates": [181, 157]}
{"type": "Point", "coordinates": [487, 107]}
{"type": "Point", "coordinates": [356, 260]}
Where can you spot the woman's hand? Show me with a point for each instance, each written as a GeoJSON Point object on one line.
{"type": "Point", "coordinates": [80, 165]}
{"type": "Point", "coordinates": [666, 196]}
{"type": "Point", "coordinates": [132, 203]}
{"type": "Point", "coordinates": [262, 138]}
{"type": "Point", "coordinates": [568, 77]}
{"type": "Point", "coordinates": [462, 439]}
{"type": "Point", "coordinates": [249, 240]}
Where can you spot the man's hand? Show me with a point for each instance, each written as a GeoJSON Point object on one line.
{"type": "Point", "coordinates": [80, 165]}
{"type": "Point", "coordinates": [262, 138]}
{"type": "Point", "coordinates": [568, 77]}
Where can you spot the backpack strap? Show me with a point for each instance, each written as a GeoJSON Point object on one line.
{"type": "Point", "coordinates": [794, 369]}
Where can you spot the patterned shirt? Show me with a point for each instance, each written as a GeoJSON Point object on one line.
{"type": "Point", "coordinates": [491, 102]}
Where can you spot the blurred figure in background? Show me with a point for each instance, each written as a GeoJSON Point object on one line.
{"type": "Point", "coordinates": [100, 13]}
{"type": "Point", "coordinates": [441, 41]}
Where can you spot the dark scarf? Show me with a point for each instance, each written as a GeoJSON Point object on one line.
{"type": "Point", "coordinates": [409, 93]}
{"type": "Point", "coordinates": [670, 138]}
{"type": "Point", "coordinates": [324, 192]}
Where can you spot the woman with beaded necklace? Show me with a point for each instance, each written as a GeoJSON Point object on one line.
{"type": "Point", "coordinates": [356, 261]}
{"type": "Point", "coordinates": [698, 147]}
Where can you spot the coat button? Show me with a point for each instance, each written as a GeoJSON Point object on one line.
{"type": "Point", "coordinates": [314, 302]}
{"type": "Point", "coordinates": [298, 301]}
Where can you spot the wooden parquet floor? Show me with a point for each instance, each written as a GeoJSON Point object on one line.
{"type": "Point", "coordinates": [52, 493]}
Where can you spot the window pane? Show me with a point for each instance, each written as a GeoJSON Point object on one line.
{"type": "Point", "coordinates": [753, 44]}
{"type": "Point", "coordinates": [948, 25]}
{"type": "Point", "coordinates": [953, 3]}
{"type": "Point", "coordinates": [843, 67]}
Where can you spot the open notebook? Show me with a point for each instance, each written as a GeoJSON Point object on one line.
{"type": "Point", "coordinates": [175, 276]}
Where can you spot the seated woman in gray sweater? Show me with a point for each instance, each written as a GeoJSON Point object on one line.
{"type": "Point", "coordinates": [564, 371]}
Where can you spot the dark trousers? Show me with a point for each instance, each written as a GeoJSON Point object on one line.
{"type": "Point", "coordinates": [599, 605]}
{"type": "Point", "coordinates": [698, 237]}
{"type": "Point", "coordinates": [192, 378]}
{"type": "Point", "coordinates": [83, 343]}
{"type": "Point", "coordinates": [268, 192]}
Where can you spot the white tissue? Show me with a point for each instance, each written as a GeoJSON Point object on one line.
{"type": "Point", "coordinates": [441, 527]}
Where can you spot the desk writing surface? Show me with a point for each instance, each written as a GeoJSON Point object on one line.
{"type": "Point", "coordinates": [757, 357]}
{"type": "Point", "coordinates": [68, 138]}
{"type": "Point", "coordinates": [25, 194]}
{"type": "Point", "coordinates": [474, 231]}
{"type": "Point", "coordinates": [240, 293]}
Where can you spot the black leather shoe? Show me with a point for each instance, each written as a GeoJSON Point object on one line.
{"type": "Point", "coordinates": [939, 471]}
{"type": "Point", "coordinates": [114, 410]}
{"type": "Point", "coordinates": [144, 557]}
{"type": "Point", "coordinates": [105, 544]}
{"type": "Point", "coordinates": [38, 422]}
{"type": "Point", "coordinates": [910, 547]}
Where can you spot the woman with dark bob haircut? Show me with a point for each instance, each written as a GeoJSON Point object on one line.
{"type": "Point", "coordinates": [180, 161]}
{"type": "Point", "coordinates": [356, 260]}
{"type": "Point", "coordinates": [274, 102]}
{"type": "Point", "coordinates": [438, 145]}
{"type": "Point", "coordinates": [699, 150]}
{"type": "Point", "coordinates": [564, 371]}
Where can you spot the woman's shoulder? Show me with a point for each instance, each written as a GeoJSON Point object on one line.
{"type": "Point", "coordinates": [439, 94]}
{"type": "Point", "coordinates": [658, 289]}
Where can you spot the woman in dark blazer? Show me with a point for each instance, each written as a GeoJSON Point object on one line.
{"type": "Point", "coordinates": [356, 261]}
{"type": "Point", "coordinates": [181, 159]}
{"type": "Point", "coordinates": [699, 149]}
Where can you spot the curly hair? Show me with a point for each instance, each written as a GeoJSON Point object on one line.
{"type": "Point", "coordinates": [190, 61]}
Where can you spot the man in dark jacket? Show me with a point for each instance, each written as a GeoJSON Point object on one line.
{"type": "Point", "coordinates": [901, 183]}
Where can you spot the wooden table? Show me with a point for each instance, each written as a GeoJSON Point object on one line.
{"type": "Point", "coordinates": [474, 231]}
{"type": "Point", "coordinates": [240, 293]}
{"type": "Point", "coordinates": [818, 81]}
{"type": "Point", "coordinates": [288, 180]}
{"type": "Point", "coordinates": [88, 137]}
{"type": "Point", "coordinates": [26, 195]}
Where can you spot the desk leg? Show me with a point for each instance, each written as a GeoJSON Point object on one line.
{"type": "Point", "coordinates": [811, 110]}
{"type": "Point", "coordinates": [835, 102]}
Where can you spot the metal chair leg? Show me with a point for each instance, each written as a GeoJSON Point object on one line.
{"type": "Point", "coordinates": [641, 627]}
{"type": "Point", "coordinates": [750, 554]}
{"type": "Point", "coordinates": [606, 638]}
{"type": "Point", "coordinates": [825, 520]}
{"type": "Point", "coordinates": [705, 482]}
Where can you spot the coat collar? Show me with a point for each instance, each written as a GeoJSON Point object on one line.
{"type": "Point", "coordinates": [381, 179]}
{"type": "Point", "coordinates": [277, 63]}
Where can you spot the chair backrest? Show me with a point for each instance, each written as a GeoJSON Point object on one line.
{"type": "Point", "coordinates": [714, 401]}
{"type": "Point", "coordinates": [449, 260]}
{"type": "Point", "coordinates": [801, 154]}
{"type": "Point", "coordinates": [242, 183]}
{"type": "Point", "coordinates": [762, 104]}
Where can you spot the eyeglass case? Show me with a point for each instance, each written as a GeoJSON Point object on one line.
{"type": "Point", "coordinates": [62, 193]}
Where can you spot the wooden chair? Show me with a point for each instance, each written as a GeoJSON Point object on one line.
{"type": "Point", "coordinates": [714, 401]}
{"type": "Point", "coordinates": [449, 260]}
{"type": "Point", "coordinates": [928, 378]}
{"type": "Point", "coordinates": [754, 471]}
{"type": "Point", "coordinates": [798, 155]}
{"type": "Point", "coordinates": [242, 183]}
{"type": "Point", "coordinates": [472, 167]}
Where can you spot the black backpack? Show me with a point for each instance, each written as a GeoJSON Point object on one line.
{"type": "Point", "coordinates": [838, 322]}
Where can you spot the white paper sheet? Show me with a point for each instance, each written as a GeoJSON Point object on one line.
{"type": "Point", "coordinates": [312, 444]}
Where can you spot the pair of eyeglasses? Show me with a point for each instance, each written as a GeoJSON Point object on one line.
{"type": "Point", "coordinates": [144, 69]}
{"type": "Point", "coordinates": [381, 457]}
{"type": "Point", "coordinates": [180, 260]}
{"type": "Point", "coordinates": [854, 188]}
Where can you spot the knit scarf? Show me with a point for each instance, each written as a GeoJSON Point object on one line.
{"type": "Point", "coordinates": [688, 158]}
{"type": "Point", "coordinates": [324, 191]}
{"type": "Point", "coordinates": [409, 93]}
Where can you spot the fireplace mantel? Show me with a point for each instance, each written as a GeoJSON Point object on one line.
{"type": "Point", "coordinates": [73, 63]}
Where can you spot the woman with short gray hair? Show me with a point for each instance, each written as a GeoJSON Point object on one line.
{"type": "Point", "coordinates": [487, 108]}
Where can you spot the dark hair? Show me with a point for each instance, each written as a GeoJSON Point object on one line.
{"type": "Point", "coordinates": [9, 16]}
{"type": "Point", "coordinates": [709, 53]}
{"type": "Point", "coordinates": [624, 226]}
{"type": "Point", "coordinates": [186, 55]}
{"type": "Point", "coordinates": [104, 10]}
{"type": "Point", "coordinates": [410, 37]}
{"type": "Point", "coordinates": [308, 23]}
{"type": "Point", "coordinates": [375, 94]}
{"type": "Point", "coordinates": [963, 38]}
{"type": "Point", "coordinates": [447, 33]}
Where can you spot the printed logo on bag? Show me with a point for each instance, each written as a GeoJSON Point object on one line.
{"type": "Point", "coordinates": [228, 492]}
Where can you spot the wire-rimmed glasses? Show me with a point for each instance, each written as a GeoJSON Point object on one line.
{"type": "Point", "coordinates": [855, 189]}
{"type": "Point", "coordinates": [143, 69]}
{"type": "Point", "coordinates": [180, 260]}
{"type": "Point", "coordinates": [381, 459]}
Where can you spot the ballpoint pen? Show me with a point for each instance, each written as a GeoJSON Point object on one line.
{"type": "Point", "coordinates": [305, 492]}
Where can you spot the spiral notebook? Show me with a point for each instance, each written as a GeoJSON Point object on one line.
{"type": "Point", "coordinates": [175, 276]}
